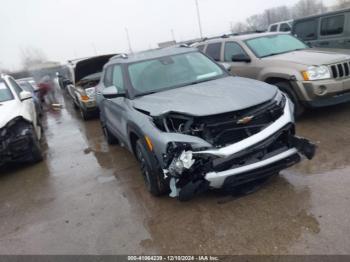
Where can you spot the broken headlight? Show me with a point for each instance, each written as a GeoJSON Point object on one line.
{"type": "Point", "coordinates": [90, 92]}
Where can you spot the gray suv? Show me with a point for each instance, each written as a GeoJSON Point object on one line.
{"type": "Point", "coordinates": [192, 126]}
{"type": "Point", "coordinates": [310, 77]}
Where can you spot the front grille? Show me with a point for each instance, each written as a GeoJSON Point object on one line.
{"type": "Point", "coordinates": [341, 70]}
{"type": "Point", "coordinates": [221, 130]}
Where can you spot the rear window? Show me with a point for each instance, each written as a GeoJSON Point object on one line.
{"type": "Point", "coordinates": [5, 92]}
{"type": "Point", "coordinates": [284, 27]}
{"type": "Point", "coordinates": [273, 28]}
{"type": "Point", "coordinates": [306, 30]}
{"type": "Point", "coordinates": [333, 25]}
{"type": "Point", "coordinates": [214, 50]}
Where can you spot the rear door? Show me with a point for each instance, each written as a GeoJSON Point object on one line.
{"type": "Point", "coordinates": [334, 31]}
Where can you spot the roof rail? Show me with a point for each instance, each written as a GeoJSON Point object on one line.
{"type": "Point", "coordinates": [184, 45]}
{"type": "Point", "coordinates": [122, 55]}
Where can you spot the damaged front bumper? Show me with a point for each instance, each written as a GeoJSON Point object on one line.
{"type": "Point", "coordinates": [263, 154]}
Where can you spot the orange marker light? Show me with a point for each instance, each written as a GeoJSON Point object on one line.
{"type": "Point", "coordinates": [149, 143]}
{"type": "Point", "coordinates": [85, 98]}
{"type": "Point", "coordinates": [305, 75]}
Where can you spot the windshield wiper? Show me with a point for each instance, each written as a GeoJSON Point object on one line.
{"type": "Point", "coordinates": [272, 54]}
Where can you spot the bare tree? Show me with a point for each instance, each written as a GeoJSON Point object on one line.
{"type": "Point", "coordinates": [341, 4]}
{"type": "Point", "coordinates": [238, 28]}
{"type": "Point", "coordinates": [32, 56]}
{"type": "Point", "coordinates": [257, 22]}
{"type": "Point", "coordinates": [308, 7]}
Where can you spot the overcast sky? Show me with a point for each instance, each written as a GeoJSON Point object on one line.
{"type": "Point", "coordinates": [66, 29]}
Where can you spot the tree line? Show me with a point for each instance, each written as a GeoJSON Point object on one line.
{"type": "Point", "coordinates": [282, 13]}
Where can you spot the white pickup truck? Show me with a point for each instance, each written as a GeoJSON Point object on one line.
{"type": "Point", "coordinates": [20, 130]}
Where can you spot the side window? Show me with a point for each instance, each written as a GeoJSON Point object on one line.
{"type": "Point", "coordinates": [15, 86]}
{"type": "Point", "coordinates": [118, 80]}
{"type": "Point", "coordinates": [273, 28]}
{"type": "Point", "coordinates": [284, 27]}
{"type": "Point", "coordinates": [107, 78]}
{"type": "Point", "coordinates": [333, 25]}
{"type": "Point", "coordinates": [233, 49]}
{"type": "Point", "coordinates": [306, 30]}
{"type": "Point", "coordinates": [200, 48]}
{"type": "Point", "coordinates": [214, 50]}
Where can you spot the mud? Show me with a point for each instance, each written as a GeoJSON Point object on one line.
{"type": "Point", "coordinates": [89, 198]}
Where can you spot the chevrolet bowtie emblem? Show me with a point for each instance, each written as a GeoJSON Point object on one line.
{"type": "Point", "coordinates": [245, 120]}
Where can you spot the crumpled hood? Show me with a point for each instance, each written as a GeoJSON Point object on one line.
{"type": "Point", "coordinates": [10, 110]}
{"type": "Point", "coordinates": [208, 98]}
{"type": "Point", "coordinates": [310, 57]}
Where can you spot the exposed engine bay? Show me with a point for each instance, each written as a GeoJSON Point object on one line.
{"type": "Point", "coordinates": [15, 141]}
{"type": "Point", "coordinates": [188, 169]}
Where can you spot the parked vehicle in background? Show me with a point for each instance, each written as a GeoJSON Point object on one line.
{"type": "Point", "coordinates": [29, 84]}
{"type": "Point", "coordinates": [86, 75]}
{"type": "Point", "coordinates": [310, 77]}
{"type": "Point", "coordinates": [284, 26]}
{"type": "Point", "coordinates": [328, 30]}
{"type": "Point", "coordinates": [20, 130]}
{"type": "Point", "coordinates": [192, 126]}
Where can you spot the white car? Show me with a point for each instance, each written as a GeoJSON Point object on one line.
{"type": "Point", "coordinates": [20, 130]}
{"type": "Point", "coordinates": [284, 26]}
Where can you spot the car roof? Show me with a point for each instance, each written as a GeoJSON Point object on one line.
{"type": "Point", "coordinates": [323, 14]}
{"type": "Point", "coordinates": [150, 54]}
{"type": "Point", "coordinates": [241, 37]}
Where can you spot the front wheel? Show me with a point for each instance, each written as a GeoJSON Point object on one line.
{"type": "Point", "coordinates": [154, 180]}
{"type": "Point", "coordinates": [36, 153]}
{"type": "Point", "coordinates": [286, 88]}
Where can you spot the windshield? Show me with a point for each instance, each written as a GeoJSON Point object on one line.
{"type": "Point", "coordinates": [274, 45]}
{"type": "Point", "coordinates": [172, 71]}
{"type": "Point", "coordinates": [5, 92]}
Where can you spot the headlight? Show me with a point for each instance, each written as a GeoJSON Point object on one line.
{"type": "Point", "coordinates": [316, 73]}
{"type": "Point", "coordinates": [280, 98]}
{"type": "Point", "coordinates": [90, 92]}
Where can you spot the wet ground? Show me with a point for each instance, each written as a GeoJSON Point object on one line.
{"type": "Point", "coordinates": [89, 198]}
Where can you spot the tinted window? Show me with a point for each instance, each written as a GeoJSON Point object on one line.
{"type": "Point", "coordinates": [306, 30]}
{"type": "Point", "coordinates": [333, 25]}
{"type": "Point", "coordinates": [284, 27]}
{"type": "Point", "coordinates": [213, 50]}
{"type": "Point", "coordinates": [232, 49]}
{"type": "Point", "coordinates": [15, 87]}
{"type": "Point", "coordinates": [118, 81]}
{"type": "Point", "coordinates": [5, 92]}
{"type": "Point", "coordinates": [172, 71]}
{"type": "Point", "coordinates": [273, 28]}
{"type": "Point", "coordinates": [107, 79]}
{"type": "Point", "coordinates": [200, 48]}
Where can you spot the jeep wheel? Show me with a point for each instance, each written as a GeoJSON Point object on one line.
{"type": "Point", "coordinates": [110, 138]}
{"type": "Point", "coordinates": [286, 88]}
{"type": "Point", "coordinates": [152, 176]}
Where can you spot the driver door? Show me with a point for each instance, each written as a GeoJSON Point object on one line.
{"type": "Point", "coordinates": [115, 107]}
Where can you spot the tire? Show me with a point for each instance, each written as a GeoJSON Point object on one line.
{"type": "Point", "coordinates": [74, 104]}
{"type": "Point", "coordinates": [36, 153]}
{"type": "Point", "coordinates": [286, 88]}
{"type": "Point", "coordinates": [110, 138]}
{"type": "Point", "coordinates": [154, 181]}
{"type": "Point", "coordinates": [84, 115]}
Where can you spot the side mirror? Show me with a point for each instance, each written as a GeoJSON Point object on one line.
{"type": "Point", "coordinates": [24, 95]}
{"type": "Point", "coordinates": [241, 58]}
{"type": "Point", "coordinates": [111, 92]}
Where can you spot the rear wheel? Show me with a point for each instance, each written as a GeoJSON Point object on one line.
{"type": "Point", "coordinates": [110, 138]}
{"type": "Point", "coordinates": [154, 180]}
{"type": "Point", "coordinates": [286, 88]}
{"type": "Point", "coordinates": [84, 114]}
